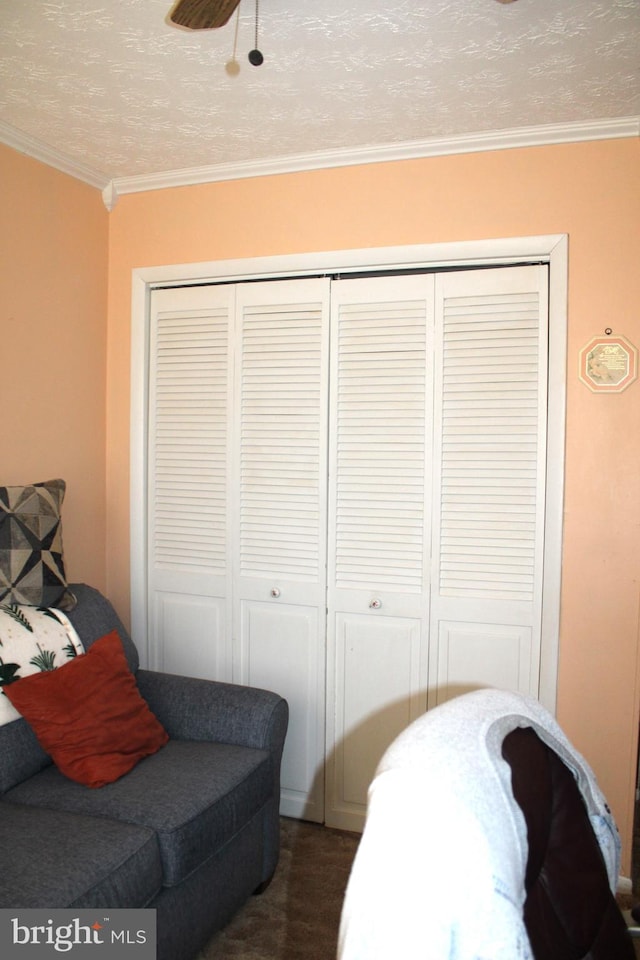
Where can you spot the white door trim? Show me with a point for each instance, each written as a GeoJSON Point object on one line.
{"type": "Point", "coordinates": [551, 249]}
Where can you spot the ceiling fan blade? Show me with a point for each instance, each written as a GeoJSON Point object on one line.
{"type": "Point", "coordinates": [202, 14]}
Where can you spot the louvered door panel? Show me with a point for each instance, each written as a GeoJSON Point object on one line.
{"type": "Point", "coordinates": [380, 454]}
{"type": "Point", "coordinates": [280, 515]}
{"type": "Point", "coordinates": [489, 483]}
{"type": "Point", "coordinates": [490, 428]}
{"type": "Point", "coordinates": [378, 528]}
{"type": "Point", "coordinates": [190, 440]}
{"type": "Point", "coordinates": [282, 427]}
{"type": "Point", "coordinates": [188, 487]}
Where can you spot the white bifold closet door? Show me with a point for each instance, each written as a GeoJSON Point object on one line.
{"type": "Point", "coordinates": [379, 526]}
{"type": "Point", "coordinates": [188, 482]}
{"type": "Point", "coordinates": [237, 468]}
{"type": "Point", "coordinates": [489, 480]}
{"type": "Point", "coordinates": [436, 504]}
{"type": "Point", "coordinates": [279, 507]}
{"type": "Point", "coordinates": [346, 502]}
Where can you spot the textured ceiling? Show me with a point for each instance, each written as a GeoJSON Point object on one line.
{"type": "Point", "coordinates": [118, 90]}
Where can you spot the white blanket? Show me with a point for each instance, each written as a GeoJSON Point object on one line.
{"type": "Point", "coordinates": [32, 639]}
{"type": "Point", "coordinates": [439, 873]}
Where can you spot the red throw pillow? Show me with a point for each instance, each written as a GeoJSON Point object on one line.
{"type": "Point", "coordinates": [88, 714]}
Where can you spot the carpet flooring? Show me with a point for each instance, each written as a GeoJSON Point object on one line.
{"type": "Point", "coordinates": [298, 915]}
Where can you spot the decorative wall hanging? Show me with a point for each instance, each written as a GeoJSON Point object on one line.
{"type": "Point", "coordinates": [608, 364]}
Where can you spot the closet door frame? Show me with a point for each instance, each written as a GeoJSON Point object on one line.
{"type": "Point", "coordinates": [551, 249]}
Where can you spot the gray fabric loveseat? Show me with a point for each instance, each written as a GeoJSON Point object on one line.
{"type": "Point", "coordinates": [191, 831]}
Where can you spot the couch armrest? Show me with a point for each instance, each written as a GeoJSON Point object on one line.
{"type": "Point", "coordinates": [196, 709]}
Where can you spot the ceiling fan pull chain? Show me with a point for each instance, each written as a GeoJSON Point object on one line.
{"type": "Point", "coordinates": [255, 56]}
{"type": "Point", "coordinates": [232, 66]}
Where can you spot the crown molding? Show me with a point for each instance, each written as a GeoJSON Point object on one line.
{"type": "Point", "coordinates": [534, 136]}
{"type": "Point", "coordinates": [39, 150]}
{"type": "Point", "coordinates": [545, 135]}
{"type": "Point", "coordinates": [468, 143]}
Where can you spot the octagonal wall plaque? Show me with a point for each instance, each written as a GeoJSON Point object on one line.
{"type": "Point", "coordinates": [608, 364]}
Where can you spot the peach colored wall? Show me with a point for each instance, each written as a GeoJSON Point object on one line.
{"type": "Point", "coordinates": [590, 191]}
{"type": "Point", "coordinates": [53, 310]}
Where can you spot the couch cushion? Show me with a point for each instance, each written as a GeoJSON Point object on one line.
{"type": "Point", "coordinates": [55, 859]}
{"type": "Point", "coordinates": [88, 715]}
{"type": "Point", "coordinates": [31, 556]}
{"type": "Point", "coordinates": [195, 795]}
